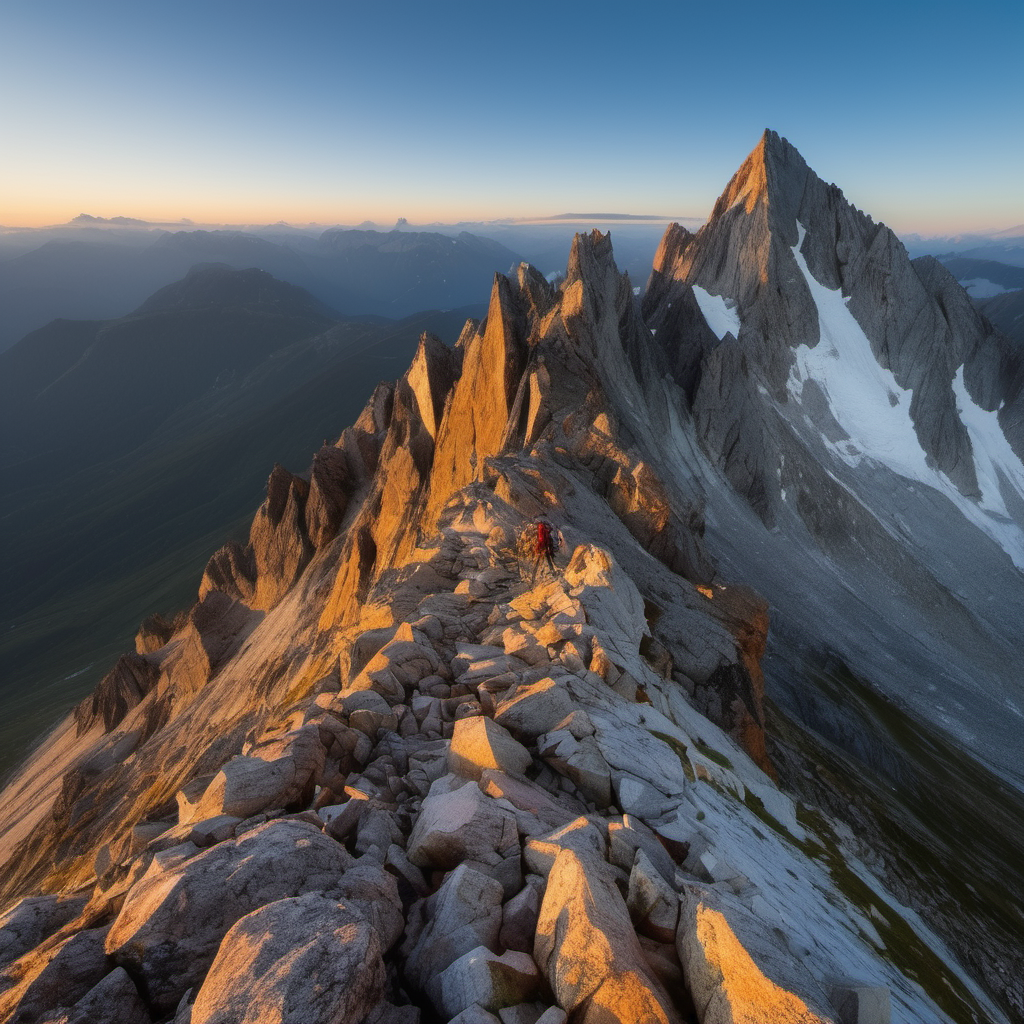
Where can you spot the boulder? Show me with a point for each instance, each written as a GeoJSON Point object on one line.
{"type": "Point", "coordinates": [519, 917]}
{"type": "Point", "coordinates": [482, 978]}
{"type": "Point", "coordinates": [475, 1014]}
{"type": "Point", "coordinates": [580, 761]}
{"type": "Point", "coordinates": [525, 1013]}
{"type": "Point", "coordinates": [588, 951]}
{"type": "Point", "coordinates": [58, 973]}
{"type": "Point", "coordinates": [33, 919]}
{"type": "Point", "coordinates": [213, 830]}
{"type": "Point", "coordinates": [531, 800]}
{"type": "Point", "coordinates": [532, 710]}
{"type": "Point", "coordinates": [630, 835]}
{"type": "Point", "coordinates": [373, 892]}
{"type": "Point", "coordinates": [173, 920]}
{"type": "Point", "coordinates": [461, 825]}
{"type": "Point", "coordinates": [306, 958]}
{"type": "Point", "coordinates": [479, 743]}
{"type": "Point", "coordinates": [247, 785]}
{"type": "Point", "coordinates": [580, 835]}
{"type": "Point", "coordinates": [115, 1000]}
{"type": "Point", "coordinates": [463, 914]}
{"type": "Point", "coordinates": [653, 903]}
{"type": "Point", "coordinates": [726, 984]}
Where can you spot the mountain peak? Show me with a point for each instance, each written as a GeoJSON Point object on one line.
{"type": "Point", "coordinates": [217, 285]}
{"type": "Point", "coordinates": [773, 167]}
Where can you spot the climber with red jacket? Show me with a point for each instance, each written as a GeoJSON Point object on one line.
{"type": "Point", "coordinates": [547, 543]}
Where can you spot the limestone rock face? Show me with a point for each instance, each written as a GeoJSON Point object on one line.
{"type": "Point", "coordinates": [278, 538]}
{"type": "Point", "coordinates": [231, 570]}
{"type": "Point", "coordinates": [30, 921]}
{"type": "Point", "coordinates": [305, 958]}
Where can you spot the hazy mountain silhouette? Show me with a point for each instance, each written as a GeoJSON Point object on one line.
{"type": "Point", "coordinates": [362, 273]}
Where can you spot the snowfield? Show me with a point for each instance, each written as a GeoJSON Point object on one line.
{"type": "Point", "coordinates": [720, 313]}
{"type": "Point", "coordinates": [874, 413]}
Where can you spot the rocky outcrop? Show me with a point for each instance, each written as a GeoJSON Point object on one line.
{"type": "Point", "coordinates": [120, 690]}
{"type": "Point", "coordinates": [919, 321]}
{"type": "Point", "coordinates": [589, 952]}
{"type": "Point", "coordinates": [174, 919]}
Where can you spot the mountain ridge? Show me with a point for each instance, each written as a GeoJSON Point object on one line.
{"type": "Point", "coordinates": [374, 686]}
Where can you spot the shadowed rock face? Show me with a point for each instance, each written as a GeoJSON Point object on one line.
{"type": "Point", "coordinates": [387, 723]}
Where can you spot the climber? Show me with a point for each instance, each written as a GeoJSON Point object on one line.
{"type": "Point", "coordinates": [547, 543]}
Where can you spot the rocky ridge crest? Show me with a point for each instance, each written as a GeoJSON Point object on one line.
{"type": "Point", "coordinates": [386, 770]}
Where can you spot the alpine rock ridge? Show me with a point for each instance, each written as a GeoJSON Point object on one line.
{"type": "Point", "coordinates": [388, 769]}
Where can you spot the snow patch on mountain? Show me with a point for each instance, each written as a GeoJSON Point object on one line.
{"type": "Point", "coordinates": [721, 314]}
{"type": "Point", "coordinates": [873, 411]}
{"type": "Point", "coordinates": [997, 465]}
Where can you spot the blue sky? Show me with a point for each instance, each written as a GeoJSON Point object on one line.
{"type": "Point", "coordinates": [230, 112]}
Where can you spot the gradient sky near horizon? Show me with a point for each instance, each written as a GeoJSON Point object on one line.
{"type": "Point", "coordinates": [224, 112]}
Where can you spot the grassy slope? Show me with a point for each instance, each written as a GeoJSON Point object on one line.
{"type": "Point", "coordinates": [947, 830]}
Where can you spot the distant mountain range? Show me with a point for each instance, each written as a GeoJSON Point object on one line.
{"type": "Point", "coordinates": [359, 273]}
{"type": "Point", "coordinates": [997, 290]}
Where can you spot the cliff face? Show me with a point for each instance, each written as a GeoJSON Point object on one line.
{"type": "Point", "coordinates": [390, 767]}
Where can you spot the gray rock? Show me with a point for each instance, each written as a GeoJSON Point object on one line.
{"type": "Point", "coordinates": [475, 1014]}
{"type": "Point", "coordinates": [463, 914]}
{"type": "Point", "coordinates": [519, 917]}
{"type": "Point", "coordinates": [478, 744]}
{"type": "Point", "coordinates": [58, 973]}
{"type": "Point", "coordinates": [522, 1013]}
{"type": "Point", "coordinates": [857, 1003]}
{"type": "Point", "coordinates": [301, 959]}
{"type": "Point", "coordinates": [581, 835]}
{"type": "Point", "coordinates": [531, 799]}
{"type": "Point", "coordinates": [367, 888]}
{"type": "Point", "coordinates": [213, 830]}
{"type": "Point", "coordinates": [653, 903]}
{"type": "Point", "coordinates": [246, 785]}
{"type": "Point", "coordinates": [387, 1013]}
{"type": "Point", "coordinates": [461, 825]}
{"type": "Point", "coordinates": [745, 976]}
{"type": "Point", "coordinates": [482, 978]}
{"type": "Point", "coordinates": [33, 919]}
{"type": "Point", "coordinates": [625, 838]}
{"type": "Point", "coordinates": [114, 1000]}
{"type": "Point", "coordinates": [588, 951]}
{"type": "Point", "coordinates": [532, 710]}
{"type": "Point", "coordinates": [173, 920]}
{"type": "Point", "coordinates": [580, 761]}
